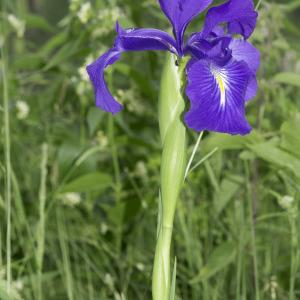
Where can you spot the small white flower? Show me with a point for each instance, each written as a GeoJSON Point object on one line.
{"type": "Point", "coordinates": [18, 285]}
{"type": "Point", "coordinates": [286, 202]}
{"type": "Point", "coordinates": [81, 88]}
{"type": "Point", "coordinates": [71, 199]}
{"type": "Point", "coordinates": [140, 267]}
{"type": "Point", "coordinates": [119, 296]}
{"type": "Point", "coordinates": [103, 228]}
{"type": "Point", "coordinates": [108, 280]}
{"type": "Point", "coordinates": [102, 139]}
{"type": "Point", "coordinates": [22, 110]}
{"type": "Point", "coordinates": [74, 5]}
{"type": "Point", "coordinates": [82, 70]}
{"type": "Point", "coordinates": [17, 24]}
{"type": "Point", "coordinates": [84, 12]}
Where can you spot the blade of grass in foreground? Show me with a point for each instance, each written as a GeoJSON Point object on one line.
{"type": "Point", "coordinates": [6, 120]}
{"type": "Point", "coordinates": [41, 227]}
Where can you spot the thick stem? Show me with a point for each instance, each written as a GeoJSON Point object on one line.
{"type": "Point", "coordinates": [173, 165]}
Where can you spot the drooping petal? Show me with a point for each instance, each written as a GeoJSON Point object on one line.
{"type": "Point", "coordinates": [217, 96]}
{"type": "Point", "coordinates": [126, 40]}
{"type": "Point", "coordinates": [181, 13]}
{"type": "Point", "coordinates": [239, 15]}
{"type": "Point", "coordinates": [244, 51]}
{"type": "Point", "coordinates": [104, 99]}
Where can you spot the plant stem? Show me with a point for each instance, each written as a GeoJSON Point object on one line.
{"type": "Point", "coordinates": [173, 165]}
{"type": "Point", "coordinates": [7, 156]}
{"type": "Point", "coordinates": [253, 233]}
{"type": "Point", "coordinates": [293, 215]}
{"type": "Point", "coordinates": [41, 228]}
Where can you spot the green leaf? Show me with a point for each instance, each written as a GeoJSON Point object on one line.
{"type": "Point", "coordinates": [94, 118]}
{"type": "Point", "coordinates": [290, 135]}
{"type": "Point", "coordinates": [228, 188]}
{"type": "Point", "coordinates": [87, 183]}
{"type": "Point", "coordinates": [229, 142]}
{"type": "Point", "coordinates": [173, 283]}
{"type": "Point", "coordinates": [220, 258]}
{"type": "Point", "coordinates": [288, 78]}
{"type": "Point", "coordinates": [272, 154]}
{"type": "Point", "coordinates": [37, 22]}
{"type": "Point", "coordinates": [56, 41]}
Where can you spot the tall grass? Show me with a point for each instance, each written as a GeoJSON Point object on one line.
{"type": "Point", "coordinates": [78, 189]}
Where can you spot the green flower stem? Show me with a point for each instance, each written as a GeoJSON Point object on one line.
{"type": "Point", "coordinates": [173, 165]}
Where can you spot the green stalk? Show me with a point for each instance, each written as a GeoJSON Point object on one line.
{"type": "Point", "coordinates": [173, 166]}
{"type": "Point", "coordinates": [6, 120]}
{"type": "Point", "coordinates": [42, 222]}
{"type": "Point", "coordinates": [293, 215]}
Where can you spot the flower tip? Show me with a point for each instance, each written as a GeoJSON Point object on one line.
{"type": "Point", "coordinates": [119, 28]}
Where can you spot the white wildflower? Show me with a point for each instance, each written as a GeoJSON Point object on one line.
{"type": "Point", "coordinates": [82, 70]}
{"type": "Point", "coordinates": [286, 202]}
{"type": "Point", "coordinates": [71, 199]}
{"type": "Point", "coordinates": [84, 12]}
{"type": "Point", "coordinates": [74, 5]}
{"type": "Point", "coordinates": [18, 285]}
{"type": "Point", "coordinates": [108, 280]}
{"type": "Point", "coordinates": [141, 170]}
{"type": "Point", "coordinates": [22, 110]}
{"type": "Point", "coordinates": [140, 267]}
{"type": "Point", "coordinates": [17, 24]}
{"type": "Point", "coordinates": [103, 228]}
{"type": "Point", "coordinates": [119, 296]}
{"type": "Point", "coordinates": [102, 139]}
{"type": "Point", "coordinates": [81, 88]}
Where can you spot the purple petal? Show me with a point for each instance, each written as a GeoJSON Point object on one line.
{"type": "Point", "coordinates": [244, 51]}
{"type": "Point", "coordinates": [104, 99]}
{"type": "Point", "coordinates": [252, 88]}
{"type": "Point", "coordinates": [213, 47]}
{"type": "Point", "coordinates": [239, 14]}
{"type": "Point", "coordinates": [144, 39]}
{"type": "Point", "coordinates": [181, 13]}
{"type": "Point", "coordinates": [217, 96]}
{"type": "Point", "coordinates": [127, 40]}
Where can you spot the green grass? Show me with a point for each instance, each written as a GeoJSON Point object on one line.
{"type": "Point", "coordinates": [79, 188]}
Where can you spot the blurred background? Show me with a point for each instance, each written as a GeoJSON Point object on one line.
{"type": "Point", "coordinates": [84, 184]}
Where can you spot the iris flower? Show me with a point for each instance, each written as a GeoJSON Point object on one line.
{"type": "Point", "coordinates": [221, 72]}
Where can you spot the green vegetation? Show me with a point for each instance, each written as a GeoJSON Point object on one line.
{"type": "Point", "coordinates": [80, 188]}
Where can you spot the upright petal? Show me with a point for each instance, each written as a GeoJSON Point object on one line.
{"type": "Point", "coordinates": [127, 40]}
{"type": "Point", "coordinates": [239, 15]}
{"type": "Point", "coordinates": [217, 96]}
{"type": "Point", "coordinates": [181, 13]}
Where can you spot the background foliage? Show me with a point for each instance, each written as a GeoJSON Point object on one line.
{"type": "Point", "coordinates": [85, 185]}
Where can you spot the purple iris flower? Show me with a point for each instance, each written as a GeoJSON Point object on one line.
{"type": "Point", "coordinates": [221, 73]}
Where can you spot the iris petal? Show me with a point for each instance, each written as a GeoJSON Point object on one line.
{"type": "Point", "coordinates": [217, 96]}
{"type": "Point", "coordinates": [127, 40]}
{"type": "Point", "coordinates": [244, 51]}
{"type": "Point", "coordinates": [181, 13]}
{"type": "Point", "coordinates": [238, 14]}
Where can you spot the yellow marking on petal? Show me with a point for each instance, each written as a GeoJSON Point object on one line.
{"type": "Point", "coordinates": [221, 85]}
